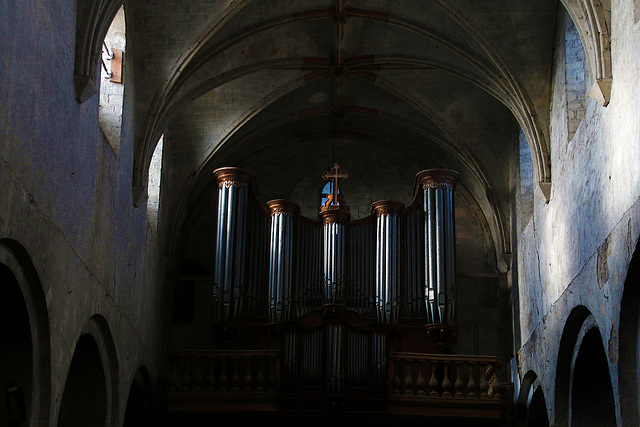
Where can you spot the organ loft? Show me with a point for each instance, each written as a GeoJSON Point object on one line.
{"type": "Point", "coordinates": [335, 314]}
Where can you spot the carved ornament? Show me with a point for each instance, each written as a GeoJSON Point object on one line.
{"type": "Point", "coordinates": [331, 216]}
{"type": "Point", "coordinates": [285, 207]}
{"type": "Point", "coordinates": [386, 207]}
{"type": "Point", "coordinates": [236, 177]}
{"type": "Point", "coordinates": [435, 178]}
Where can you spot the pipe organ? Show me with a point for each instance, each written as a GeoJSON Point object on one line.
{"type": "Point", "coordinates": [330, 284]}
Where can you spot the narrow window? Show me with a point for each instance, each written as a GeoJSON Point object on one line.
{"type": "Point", "coordinates": [111, 82]}
{"type": "Point", "coordinates": [526, 182]}
{"type": "Point", "coordinates": [574, 76]}
{"type": "Point", "coordinates": [153, 186]}
{"type": "Point", "coordinates": [324, 194]}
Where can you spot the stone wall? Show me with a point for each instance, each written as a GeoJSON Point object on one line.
{"type": "Point", "coordinates": [575, 250]}
{"type": "Point", "coordinates": [65, 196]}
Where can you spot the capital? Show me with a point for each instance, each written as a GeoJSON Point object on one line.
{"type": "Point", "coordinates": [285, 207]}
{"type": "Point", "coordinates": [386, 207]}
{"type": "Point", "coordinates": [331, 216]}
{"type": "Point", "coordinates": [434, 178]}
{"type": "Point", "coordinates": [232, 176]}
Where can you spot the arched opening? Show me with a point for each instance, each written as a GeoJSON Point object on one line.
{"type": "Point", "coordinates": [327, 189]}
{"type": "Point", "coordinates": [84, 401]}
{"type": "Point", "coordinates": [91, 391]}
{"type": "Point", "coordinates": [574, 75]}
{"type": "Point", "coordinates": [628, 345]}
{"type": "Point", "coordinates": [565, 357]}
{"type": "Point", "coordinates": [138, 412]}
{"type": "Point", "coordinates": [537, 415]}
{"type": "Point", "coordinates": [153, 186]}
{"type": "Point", "coordinates": [111, 84]}
{"type": "Point", "coordinates": [24, 347]}
{"type": "Point", "coordinates": [592, 400]}
{"type": "Point", "coordinates": [16, 352]}
{"type": "Point", "coordinates": [531, 408]}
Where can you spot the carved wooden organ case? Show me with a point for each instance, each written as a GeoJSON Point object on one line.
{"type": "Point", "coordinates": [335, 295]}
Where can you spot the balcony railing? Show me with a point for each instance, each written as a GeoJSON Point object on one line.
{"type": "Point", "coordinates": [442, 375]}
{"type": "Point", "coordinates": [418, 383]}
{"type": "Point", "coordinates": [224, 372]}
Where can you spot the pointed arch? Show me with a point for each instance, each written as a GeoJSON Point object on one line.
{"type": "Point", "coordinates": [628, 345]}
{"type": "Point", "coordinates": [16, 259]}
{"type": "Point", "coordinates": [97, 360]}
{"type": "Point", "coordinates": [584, 391]}
{"type": "Point", "coordinates": [93, 18]}
{"type": "Point", "coordinates": [531, 407]}
{"type": "Point", "coordinates": [593, 21]}
{"type": "Point", "coordinates": [139, 407]}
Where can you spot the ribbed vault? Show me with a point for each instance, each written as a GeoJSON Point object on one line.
{"type": "Point", "coordinates": [438, 83]}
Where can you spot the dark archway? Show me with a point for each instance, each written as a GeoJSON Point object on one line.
{"type": "Point", "coordinates": [84, 401]}
{"type": "Point", "coordinates": [592, 401]}
{"type": "Point", "coordinates": [94, 366]}
{"type": "Point", "coordinates": [584, 393]}
{"type": "Point", "coordinates": [16, 351]}
{"type": "Point", "coordinates": [25, 346]}
{"type": "Point", "coordinates": [537, 415]}
{"type": "Point", "coordinates": [628, 345]}
{"type": "Point", "coordinates": [531, 408]}
{"type": "Point", "coordinates": [563, 369]}
{"type": "Point", "coordinates": [139, 410]}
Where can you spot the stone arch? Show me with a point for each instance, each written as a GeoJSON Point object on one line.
{"type": "Point", "coordinates": [628, 345]}
{"type": "Point", "coordinates": [582, 374]}
{"type": "Point", "coordinates": [94, 368]}
{"type": "Point", "coordinates": [139, 408]}
{"type": "Point", "coordinates": [16, 266]}
{"type": "Point", "coordinates": [593, 21]}
{"type": "Point", "coordinates": [93, 19]}
{"type": "Point", "coordinates": [531, 407]}
{"type": "Point", "coordinates": [592, 400]}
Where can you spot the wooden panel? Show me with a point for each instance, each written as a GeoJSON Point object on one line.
{"type": "Point", "coordinates": [116, 66]}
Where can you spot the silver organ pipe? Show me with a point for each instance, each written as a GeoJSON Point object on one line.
{"type": "Point", "coordinates": [280, 259]}
{"type": "Point", "coordinates": [412, 276]}
{"type": "Point", "coordinates": [387, 259]}
{"type": "Point", "coordinates": [333, 255]}
{"type": "Point", "coordinates": [284, 265]}
{"type": "Point", "coordinates": [334, 362]}
{"type": "Point", "coordinates": [233, 188]}
{"type": "Point", "coordinates": [438, 185]}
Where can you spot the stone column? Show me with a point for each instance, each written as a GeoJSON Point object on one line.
{"type": "Point", "coordinates": [233, 190]}
{"type": "Point", "coordinates": [280, 258]}
{"type": "Point", "coordinates": [438, 185]}
{"type": "Point", "coordinates": [387, 259]}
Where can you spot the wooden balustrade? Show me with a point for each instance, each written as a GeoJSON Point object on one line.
{"type": "Point", "coordinates": [224, 372]}
{"type": "Point", "coordinates": [444, 376]}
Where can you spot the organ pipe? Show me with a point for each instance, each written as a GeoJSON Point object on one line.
{"type": "Point", "coordinates": [280, 259]}
{"type": "Point", "coordinates": [387, 259]}
{"type": "Point", "coordinates": [333, 254]}
{"type": "Point", "coordinates": [439, 238]}
{"type": "Point", "coordinates": [233, 189]}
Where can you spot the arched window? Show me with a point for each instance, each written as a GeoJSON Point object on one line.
{"type": "Point", "coordinates": [576, 87]}
{"type": "Point", "coordinates": [526, 182]}
{"type": "Point", "coordinates": [324, 194]}
{"type": "Point", "coordinates": [111, 82]}
{"type": "Point", "coordinates": [153, 186]}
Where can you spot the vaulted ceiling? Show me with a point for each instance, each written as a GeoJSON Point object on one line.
{"type": "Point", "coordinates": [386, 88]}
